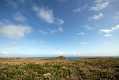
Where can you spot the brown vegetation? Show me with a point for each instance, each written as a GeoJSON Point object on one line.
{"type": "Point", "coordinates": [83, 69]}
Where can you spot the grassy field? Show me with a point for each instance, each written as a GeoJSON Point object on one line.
{"type": "Point", "coordinates": [60, 69]}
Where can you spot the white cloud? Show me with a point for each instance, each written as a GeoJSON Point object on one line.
{"type": "Point", "coordinates": [77, 53]}
{"type": "Point", "coordinates": [107, 35]}
{"type": "Point", "coordinates": [98, 16]}
{"type": "Point", "coordinates": [108, 32]}
{"type": "Point", "coordinates": [81, 33]}
{"type": "Point", "coordinates": [43, 32]}
{"type": "Point", "coordinates": [115, 27]}
{"type": "Point", "coordinates": [8, 50]}
{"type": "Point", "coordinates": [60, 29]}
{"type": "Point", "coordinates": [59, 21]}
{"type": "Point", "coordinates": [5, 21]}
{"type": "Point", "coordinates": [100, 5]}
{"type": "Point", "coordinates": [87, 27]}
{"type": "Point", "coordinates": [116, 16]}
{"type": "Point", "coordinates": [19, 17]}
{"type": "Point", "coordinates": [47, 15]}
{"type": "Point", "coordinates": [83, 43]}
{"type": "Point", "coordinates": [14, 31]}
{"type": "Point", "coordinates": [61, 53]}
{"type": "Point", "coordinates": [52, 31]}
{"type": "Point", "coordinates": [77, 10]}
{"type": "Point", "coordinates": [35, 8]}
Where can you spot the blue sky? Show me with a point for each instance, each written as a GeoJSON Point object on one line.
{"type": "Point", "coordinates": [36, 28]}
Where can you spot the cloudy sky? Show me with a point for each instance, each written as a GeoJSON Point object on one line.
{"type": "Point", "coordinates": [38, 28]}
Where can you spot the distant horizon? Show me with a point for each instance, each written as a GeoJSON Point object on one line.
{"type": "Point", "coordinates": [55, 56]}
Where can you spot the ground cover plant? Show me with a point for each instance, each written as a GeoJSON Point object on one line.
{"type": "Point", "coordinates": [83, 69]}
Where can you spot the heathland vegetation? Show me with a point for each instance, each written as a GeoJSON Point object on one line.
{"type": "Point", "coordinates": [56, 69]}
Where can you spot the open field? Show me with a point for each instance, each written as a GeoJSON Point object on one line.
{"type": "Point", "coordinates": [59, 69]}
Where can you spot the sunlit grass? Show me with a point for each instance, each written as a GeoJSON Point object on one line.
{"type": "Point", "coordinates": [84, 69]}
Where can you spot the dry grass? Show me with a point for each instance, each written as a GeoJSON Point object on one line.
{"type": "Point", "coordinates": [56, 69]}
{"type": "Point", "coordinates": [30, 61]}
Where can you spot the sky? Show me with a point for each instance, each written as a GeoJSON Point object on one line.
{"type": "Point", "coordinates": [44, 28]}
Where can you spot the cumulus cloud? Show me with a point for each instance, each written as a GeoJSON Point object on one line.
{"type": "Point", "coordinates": [98, 16]}
{"type": "Point", "coordinates": [47, 15]}
{"type": "Point", "coordinates": [14, 31]}
{"type": "Point", "coordinates": [108, 32]}
{"type": "Point", "coordinates": [100, 5]}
